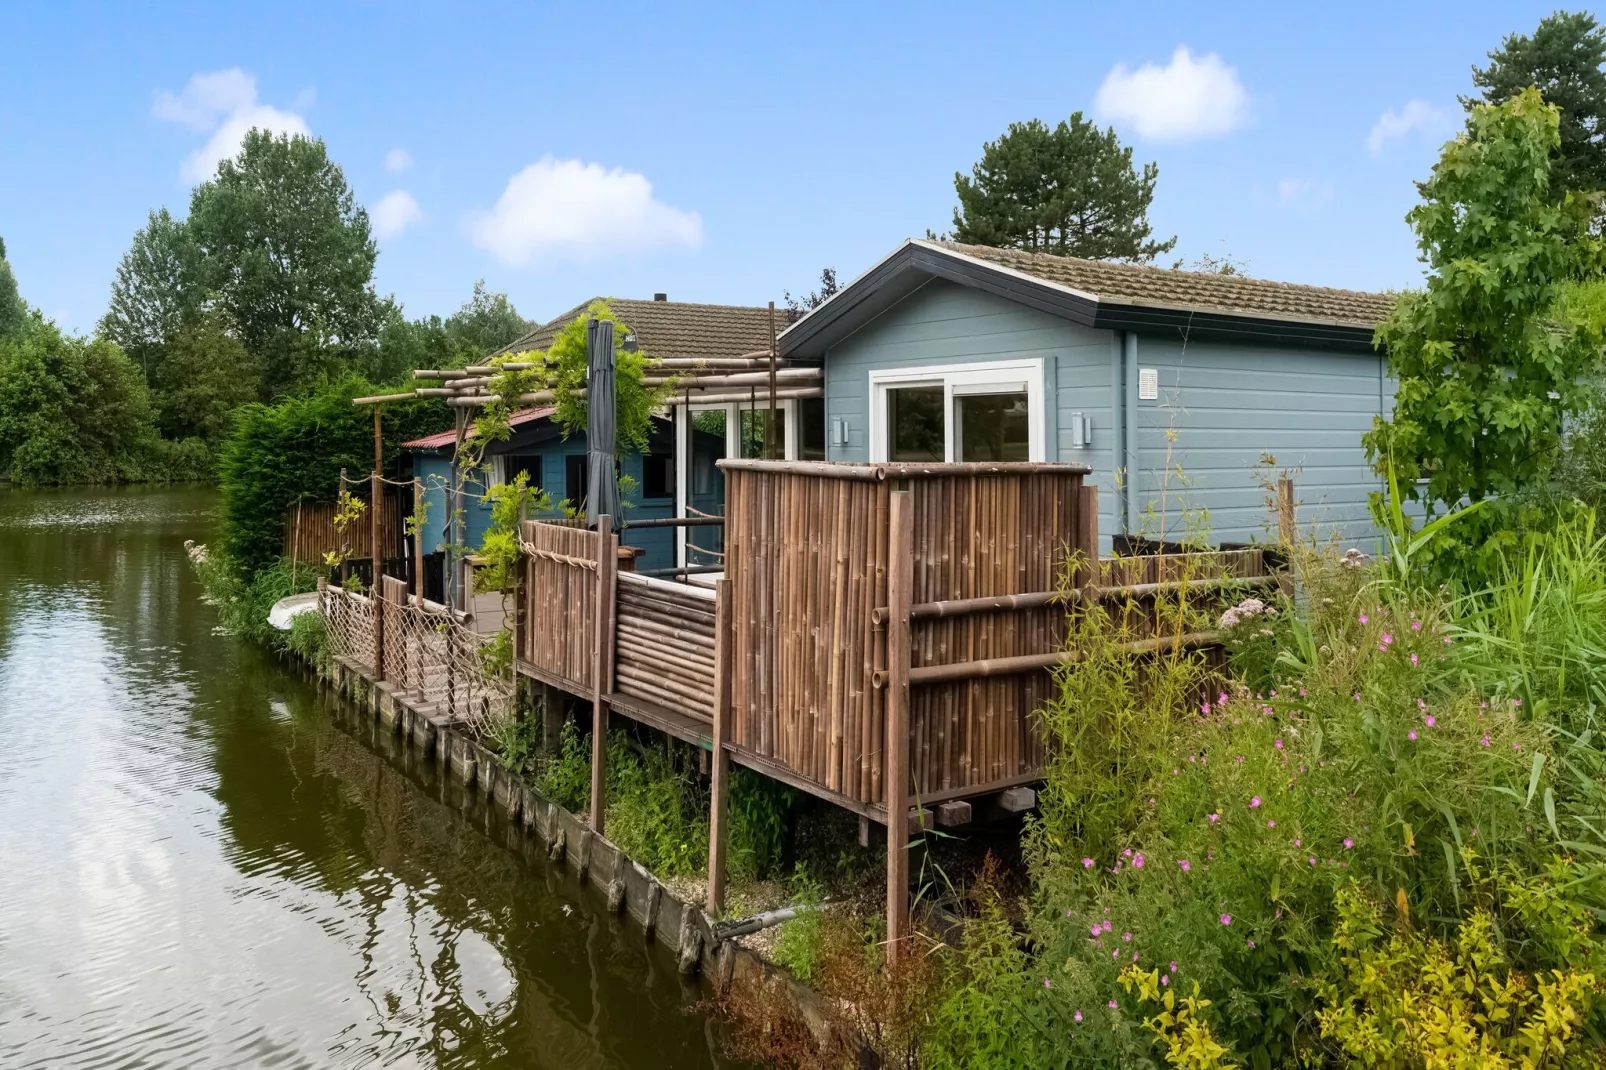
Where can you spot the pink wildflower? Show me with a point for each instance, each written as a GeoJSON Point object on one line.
{"type": "Point", "coordinates": [1096, 929]}
{"type": "Point", "coordinates": [1127, 937]}
{"type": "Point", "coordinates": [1047, 983]}
{"type": "Point", "coordinates": [1251, 945]}
{"type": "Point", "coordinates": [1271, 824]}
{"type": "Point", "coordinates": [1187, 867]}
{"type": "Point", "coordinates": [1349, 844]}
{"type": "Point", "coordinates": [1165, 978]}
{"type": "Point", "coordinates": [1088, 863]}
{"type": "Point", "coordinates": [1077, 1016]}
{"type": "Point", "coordinates": [1137, 861]}
{"type": "Point", "coordinates": [1226, 919]}
{"type": "Point", "coordinates": [1414, 661]}
{"type": "Point", "coordinates": [1278, 744]}
{"type": "Point", "coordinates": [1411, 735]}
{"type": "Point", "coordinates": [1313, 860]}
{"type": "Point", "coordinates": [1430, 720]}
{"type": "Point", "coordinates": [1516, 746]}
{"type": "Point", "coordinates": [1113, 1004]}
{"type": "Point", "coordinates": [1416, 625]}
{"type": "Point", "coordinates": [1204, 708]}
{"type": "Point", "coordinates": [1174, 966]}
{"type": "Point", "coordinates": [1254, 804]}
{"type": "Point", "coordinates": [1107, 925]}
{"type": "Point", "coordinates": [1214, 818]}
{"type": "Point", "coordinates": [1485, 740]}
{"type": "Point", "coordinates": [1387, 638]}
{"type": "Point", "coordinates": [1361, 618]}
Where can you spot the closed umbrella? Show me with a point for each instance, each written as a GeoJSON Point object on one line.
{"type": "Point", "coordinates": [602, 424]}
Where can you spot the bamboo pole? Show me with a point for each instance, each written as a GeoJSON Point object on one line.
{"type": "Point", "coordinates": [719, 788]}
{"type": "Point", "coordinates": [376, 505]}
{"type": "Point", "coordinates": [900, 567]}
{"type": "Point", "coordinates": [601, 662]}
{"type": "Point", "coordinates": [418, 541]}
{"type": "Point", "coordinates": [769, 425]}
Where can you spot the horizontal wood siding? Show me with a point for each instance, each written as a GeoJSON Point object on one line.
{"type": "Point", "coordinates": [1228, 406]}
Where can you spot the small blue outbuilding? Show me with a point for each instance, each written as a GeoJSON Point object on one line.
{"type": "Point", "coordinates": [556, 462]}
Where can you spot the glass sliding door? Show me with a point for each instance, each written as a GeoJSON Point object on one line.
{"type": "Point", "coordinates": [705, 483]}
{"type": "Point", "coordinates": [992, 427]}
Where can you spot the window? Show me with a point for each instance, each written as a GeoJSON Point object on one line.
{"type": "Point", "coordinates": [755, 419]}
{"type": "Point", "coordinates": [658, 476]}
{"type": "Point", "coordinates": [528, 463]}
{"type": "Point", "coordinates": [576, 478]}
{"type": "Point", "coordinates": [990, 412]}
{"type": "Point", "coordinates": [810, 429]}
{"type": "Point", "coordinates": [914, 424]}
{"type": "Point", "coordinates": [992, 427]}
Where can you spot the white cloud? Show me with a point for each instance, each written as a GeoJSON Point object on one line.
{"type": "Point", "coordinates": [1304, 194]}
{"type": "Point", "coordinates": [224, 102]}
{"type": "Point", "coordinates": [567, 209]}
{"type": "Point", "coordinates": [1188, 99]}
{"type": "Point", "coordinates": [395, 212]}
{"type": "Point", "coordinates": [1418, 115]}
{"type": "Point", "coordinates": [398, 159]}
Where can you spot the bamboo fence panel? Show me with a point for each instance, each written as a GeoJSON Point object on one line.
{"type": "Point", "coordinates": [310, 532]}
{"type": "Point", "coordinates": [560, 586]}
{"type": "Point", "coordinates": [664, 650]}
{"type": "Point", "coordinates": [806, 553]}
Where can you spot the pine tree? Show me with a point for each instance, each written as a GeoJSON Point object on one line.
{"type": "Point", "coordinates": [1070, 190]}
{"type": "Point", "coordinates": [1563, 60]}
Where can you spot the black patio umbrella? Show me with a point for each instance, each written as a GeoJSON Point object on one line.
{"type": "Point", "coordinates": [602, 424]}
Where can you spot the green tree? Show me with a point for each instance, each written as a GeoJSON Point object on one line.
{"type": "Point", "coordinates": [71, 410]}
{"type": "Point", "coordinates": [1070, 190]}
{"type": "Point", "coordinates": [13, 309]}
{"type": "Point", "coordinates": [284, 245]}
{"type": "Point", "coordinates": [1563, 59]}
{"type": "Point", "coordinates": [205, 376]}
{"type": "Point", "coordinates": [1487, 375]}
{"type": "Point", "coordinates": [486, 322]}
{"type": "Point", "coordinates": [154, 293]}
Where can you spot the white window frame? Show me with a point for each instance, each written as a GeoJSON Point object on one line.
{"type": "Point", "coordinates": [988, 377]}
{"type": "Point", "coordinates": [733, 448]}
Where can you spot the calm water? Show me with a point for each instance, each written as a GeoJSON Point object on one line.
{"type": "Point", "coordinates": [199, 866]}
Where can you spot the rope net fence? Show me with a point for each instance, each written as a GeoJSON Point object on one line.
{"type": "Point", "coordinates": [430, 656]}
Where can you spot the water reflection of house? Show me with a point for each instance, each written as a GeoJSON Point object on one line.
{"type": "Point", "coordinates": [659, 487]}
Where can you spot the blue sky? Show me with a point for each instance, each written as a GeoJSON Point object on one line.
{"type": "Point", "coordinates": [722, 154]}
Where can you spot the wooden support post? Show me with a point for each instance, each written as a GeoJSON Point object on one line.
{"type": "Point", "coordinates": [376, 556]}
{"type": "Point", "coordinates": [552, 717]}
{"type": "Point", "coordinates": [602, 665]}
{"type": "Point", "coordinates": [1087, 535]}
{"type": "Point", "coordinates": [1287, 529]}
{"type": "Point", "coordinates": [719, 774]}
{"type": "Point", "coordinates": [900, 587]}
{"type": "Point", "coordinates": [418, 541]}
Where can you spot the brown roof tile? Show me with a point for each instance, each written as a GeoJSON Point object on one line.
{"type": "Point", "coordinates": [675, 328]}
{"type": "Point", "coordinates": [1233, 295]}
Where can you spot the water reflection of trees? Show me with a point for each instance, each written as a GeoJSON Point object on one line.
{"type": "Point", "coordinates": [310, 803]}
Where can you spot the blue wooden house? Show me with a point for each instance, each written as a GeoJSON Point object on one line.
{"type": "Point", "coordinates": [557, 464]}
{"type": "Point", "coordinates": [1172, 385]}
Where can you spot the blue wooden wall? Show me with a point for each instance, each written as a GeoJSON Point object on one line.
{"type": "Point", "coordinates": [1227, 403]}
{"type": "Point", "coordinates": [436, 470]}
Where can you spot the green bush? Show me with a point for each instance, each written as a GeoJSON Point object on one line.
{"type": "Point", "coordinates": [243, 600]}
{"type": "Point", "coordinates": [294, 450]}
{"type": "Point", "coordinates": [800, 944]}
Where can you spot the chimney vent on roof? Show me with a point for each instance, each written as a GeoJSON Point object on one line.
{"type": "Point", "coordinates": [660, 297]}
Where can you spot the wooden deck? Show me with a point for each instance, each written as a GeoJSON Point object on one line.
{"type": "Point", "coordinates": [880, 638]}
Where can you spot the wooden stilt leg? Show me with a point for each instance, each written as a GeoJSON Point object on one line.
{"type": "Point", "coordinates": [719, 775]}
{"type": "Point", "coordinates": [900, 580]}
